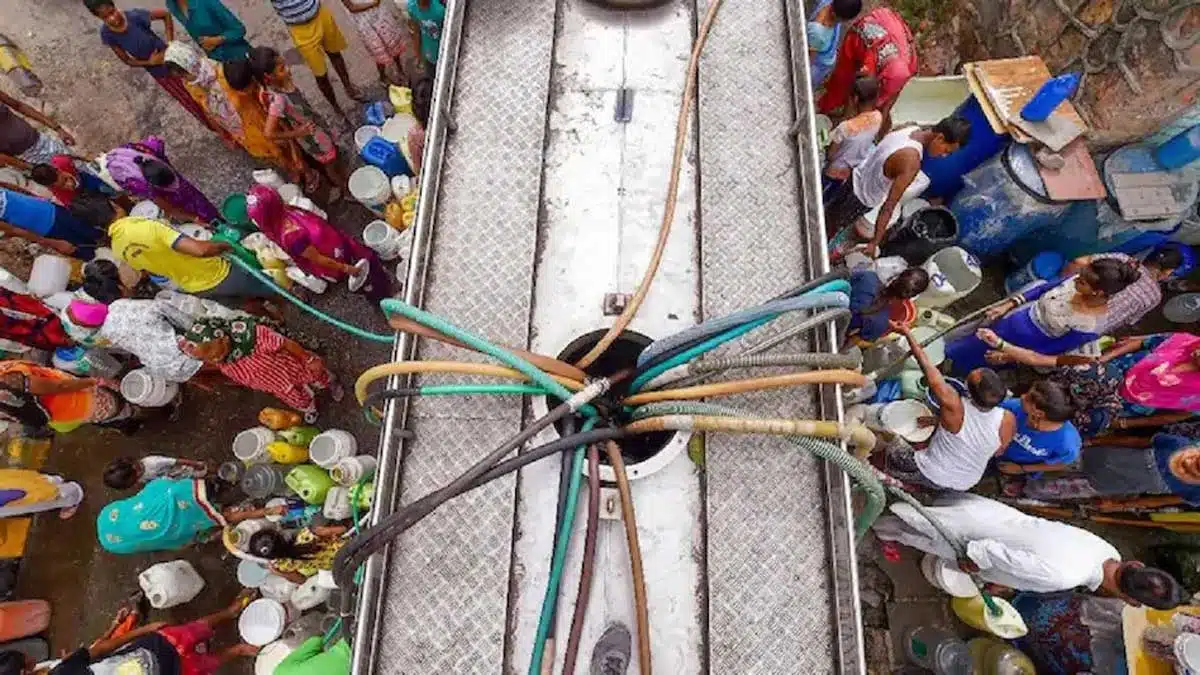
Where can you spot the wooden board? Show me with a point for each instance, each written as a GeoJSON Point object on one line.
{"type": "Point", "coordinates": [1078, 180]}
{"type": "Point", "coordinates": [980, 94]}
{"type": "Point", "coordinates": [1009, 84]}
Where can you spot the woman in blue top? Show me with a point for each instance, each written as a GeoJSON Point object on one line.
{"type": "Point", "coordinates": [218, 32]}
{"type": "Point", "coordinates": [1045, 435]}
{"type": "Point", "coordinates": [1167, 467]}
{"type": "Point", "coordinates": [871, 302]}
{"type": "Point", "coordinates": [44, 222]}
{"type": "Point", "coordinates": [824, 31]}
{"type": "Point", "coordinates": [1053, 317]}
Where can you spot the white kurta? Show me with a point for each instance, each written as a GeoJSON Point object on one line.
{"type": "Point", "coordinates": [1011, 548]}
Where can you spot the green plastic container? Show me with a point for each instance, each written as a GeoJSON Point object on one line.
{"type": "Point", "coordinates": [233, 237]}
{"type": "Point", "coordinates": [233, 211]}
{"type": "Point", "coordinates": [300, 436]}
{"type": "Point", "coordinates": [309, 482]}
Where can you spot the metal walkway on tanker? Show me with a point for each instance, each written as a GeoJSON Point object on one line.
{"type": "Point", "coordinates": [544, 203]}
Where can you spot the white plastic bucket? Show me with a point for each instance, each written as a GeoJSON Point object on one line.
{"type": "Point", "coordinates": [370, 186]}
{"type": "Point", "coordinates": [953, 274]}
{"type": "Point", "coordinates": [936, 350]}
{"type": "Point", "coordinates": [146, 209]}
{"type": "Point", "coordinates": [143, 388]}
{"type": "Point", "coordinates": [251, 574]}
{"type": "Point", "coordinates": [901, 417]}
{"type": "Point", "coordinates": [401, 185]}
{"type": "Point", "coordinates": [363, 134]}
{"type": "Point", "coordinates": [397, 127]}
{"type": "Point", "coordinates": [268, 177]}
{"type": "Point", "coordinates": [382, 238]}
{"type": "Point", "coordinates": [353, 469]}
{"type": "Point", "coordinates": [330, 447]}
{"type": "Point", "coordinates": [269, 657]}
{"type": "Point", "coordinates": [944, 576]}
{"type": "Point", "coordinates": [262, 622]}
{"type": "Point", "coordinates": [50, 275]}
{"type": "Point", "coordinates": [169, 584]}
{"type": "Point", "coordinates": [250, 445]}
{"type": "Point", "coordinates": [290, 192]}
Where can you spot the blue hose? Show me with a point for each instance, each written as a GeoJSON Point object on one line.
{"type": "Point", "coordinates": [559, 559]}
{"type": "Point", "coordinates": [333, 321]}
{"type": "Point", "coordinates": [723, 323]}
{"type": "Point", "coordinates": [802, 302]}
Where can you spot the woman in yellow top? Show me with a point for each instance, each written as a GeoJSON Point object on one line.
{"type": "Point", "coordinates": [23, 492]}
{"type": "Point", "coordinates": [69, 401]}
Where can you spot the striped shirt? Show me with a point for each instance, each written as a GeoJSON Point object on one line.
{"type": "Point", "coordinates": [294, 12]}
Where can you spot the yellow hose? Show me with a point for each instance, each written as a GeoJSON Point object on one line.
{"type": "Point", "coordinates": [848, 377]}
{"type": "Point", "coordinates": [857, 435]}
{"type": "Point", "coordinates": [384, 370]}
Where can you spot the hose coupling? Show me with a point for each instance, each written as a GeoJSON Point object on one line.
{"type": "Point", "coordinates": [594, 389]}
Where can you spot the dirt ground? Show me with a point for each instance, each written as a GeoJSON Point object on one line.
{"type": "Point", "coordinates": [105, 104]}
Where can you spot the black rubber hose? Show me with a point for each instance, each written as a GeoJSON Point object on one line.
{"type": "Point", "coordinates": [584, 591]}
{"type": "Point", "coordinates": [370, 541]}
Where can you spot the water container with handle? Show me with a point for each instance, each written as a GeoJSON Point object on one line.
{"type": "Point", "coordinates": [364, 134]}
{"type": "Point", "coordinates": [332, 446]}
{"type": "Point", "coordinates": [283, 452]}
{"type": "Point", "coordinates": [1181, 150]}
{"type": "Point", "coordinates": [382, 153]}
{"type": "Point", "coordinates": [369, 185]}
{"type": "Point", "coordinates": [50, 275]}
{"type": "Point", "coordinates": [250, 445]}
{"type": "Point", "coordinates": [310, 483]}
{"type": "Point", "coordinates": [1052, 93]}
{"type": "Point", "coordinates": [144, 388]}
{"type": "Point", "coordinates": [309, 595]}
{"type": "Point", "coordinates": [937, 649]}
{"type": "Point", "coordinates": [169, 584]}
{"type": "Point", "coordinates": [1004, 623]}
{"type": "Point", "coordinates": [264, 480]}
{"type": "Point", "coordinates": [299, 436]}
{"type": "Point", "coordinates": [352, 470]}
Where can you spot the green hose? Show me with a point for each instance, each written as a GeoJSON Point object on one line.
{"type": "Point", "coordinates": [537, 375]}
{"type": "Point", "coordinates": [559, 559]}
{"type": "Point", "coordinates": [862, 473]}
{"type": "Point", "coordinates": [333, 321]}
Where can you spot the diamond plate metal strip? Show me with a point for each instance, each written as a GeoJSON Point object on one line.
{"type": "Point", "coordinates": [445, 603]}
{"type": "Point", "coordinates": [769, 596]}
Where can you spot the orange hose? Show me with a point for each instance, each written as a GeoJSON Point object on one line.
{"type": "Point", "coordinates": [848, 377]}
{"type": "Point", "coordinates": [635, 556]}
{"type": "Point", "coordinates": [552, 366]}
{"type": "Point", "coordinates": [681, 127]}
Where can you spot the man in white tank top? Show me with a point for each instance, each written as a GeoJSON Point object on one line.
{"type": "Point", "coordinates": [887, 172]}
{"type": "Point", "coordinates": [970, 432]}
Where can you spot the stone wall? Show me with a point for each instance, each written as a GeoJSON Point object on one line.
{"type": "Point", "coordinates": [1140, 58]}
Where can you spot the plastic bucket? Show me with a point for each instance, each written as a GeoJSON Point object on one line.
{"type": "Point", "coordinates": [233, 210]}
{"type": "Point", "coordinates": [146, 209]}
{"type": "Point", "coordinates": [269, 657]}
{"type": "Point", "coordinates": [371, 187]}
{"type": "Point", "coordinates": [353, 469]}
{"type": "Point", "coordinates": [140, 387]}
{"type": "Point", "coordinates": [250, 445]}
{"type": "Point", "coordinates": [1008, 625]}
{"type": "Point", "coordinates": [936, 350]}
{"type": "Point", "coordinates": [50, 275]}
{"type": "Point", "coordinates": [251, 574]}
{"type": "Point", "coordinates": [330, 447]}
{"type": "Point", "coordinates": [262, 622]}
{"type": "Point", "coordinates": [364, 134]}
{"type": "Point", "coordinates": [1045, 265]}
{"type": "Point", "coordinates": [383, 239]}
{"type": "Point", "coordinates": [953, 274]}
{"type": "Point", "coordinates": [1183, 308]}
{"type": "Point", "coordinates": [901, 417]}
{"type": "Point", "coordinates": [944, 576]}
{"type": "Point", "coordinates": [231, 472]}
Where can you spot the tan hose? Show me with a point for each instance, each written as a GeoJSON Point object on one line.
{"type": "Point", "coordinates": [635, 556]}
{"type": "Point", "coordinates": [847, 377]}
{"type": "Point", "coordinates": [856, 434]}
{"type": "Point", "coordinates": [681, 127]}
{"type": "Point", "coordinates": [404, 367]}
{"type": "Point", "coordinates": [552, 366]}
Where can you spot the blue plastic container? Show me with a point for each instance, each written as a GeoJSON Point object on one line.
{"type": "Point", "coordinates": [1045, 265]}
{"type": "Point", "coordinates": [382, 153]}
{"type": "Point", "coordinates": [377, 113]}
{"type": "Point", "coordinates": [1180, 150]}
{"type": "Point", "coordinates": [1053, 92]}
{"type": "Point", "coordinates": [946, 173]}
{"type": "Point", "coordinates": [1002, 201]}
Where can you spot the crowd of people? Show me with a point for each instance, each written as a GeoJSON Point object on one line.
{"type": "Point", "coordinates": [1116, 423]}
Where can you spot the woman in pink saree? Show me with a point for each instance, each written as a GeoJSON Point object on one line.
{"type": "Point", "coordinates": [315, 246]}
{"type": "Point", "coordinates": [1168, 377]}
{"type": "Point", "coordinates": [143, 170]}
